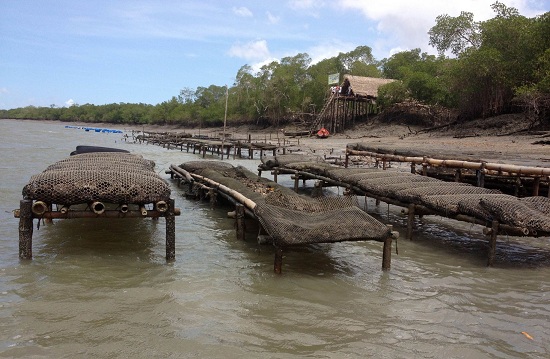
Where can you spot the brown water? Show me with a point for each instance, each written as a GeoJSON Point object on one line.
{"type": "Point", "coordinates": [102, 288]}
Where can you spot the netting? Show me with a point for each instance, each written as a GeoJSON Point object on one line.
{"type": "Point", "coordinates": [538, 203]}
{"type": "Point", "coordinates": [515, 212]}
{"type": "Point", "coordinates": [317, 168]}
{"type": "Point", "coordinates": [197, 166]}
{"type": "Point", "coordinates": [282, 160]}
{"type": "Point", "coordinates": [108, 177]}
{"type": "Point", "coordinates": [296, 220]}
{"type": "Point", "coordinates": [292, 219]}
{"type": "Point", "coordinates": [467, 204]}
{"type": "Point", "coordinates": [354, 175]}
{"type": "Point", "coordinates": [440, 188]}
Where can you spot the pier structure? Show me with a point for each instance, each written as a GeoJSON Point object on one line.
{"type": "Point", "coordinates": [422, 195]}
{"type": "Point", "coordinates": [222, 147]}
{"type": "Point", "coordinates": [287, 219]}
{"type": "Point", "coordinates": [97, 185]}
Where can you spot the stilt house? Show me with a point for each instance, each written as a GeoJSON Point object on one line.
{"type": "Point", "coordinates": [354, 99]}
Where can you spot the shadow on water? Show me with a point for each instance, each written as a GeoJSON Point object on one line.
{"type": "Point", "coordinates": [138, 238]}
{"type": "Point", "coordinates": [465, 241]}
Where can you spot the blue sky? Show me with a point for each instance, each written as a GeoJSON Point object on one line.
{"type": "Point", "coordinates": [63, 52]}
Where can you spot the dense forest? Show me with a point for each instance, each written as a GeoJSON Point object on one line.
{"type": "Point", "coordinates": [483, 69]}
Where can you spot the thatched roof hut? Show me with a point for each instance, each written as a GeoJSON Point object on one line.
{"type": "Point", "coordinates": [366, 86]}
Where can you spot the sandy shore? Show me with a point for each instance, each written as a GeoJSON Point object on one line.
{"type": "Point", "coordinates": [490, 146]}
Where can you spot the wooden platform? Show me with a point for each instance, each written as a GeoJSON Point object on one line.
{"type": "Point", "coordinates": [420, 195]}
{"type": "Point", "coordinates": [288, 219]}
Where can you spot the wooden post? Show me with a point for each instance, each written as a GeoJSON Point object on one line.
{"type": "Point", "coordinates": [296, 182]}
{"type": "Point", "coordinates": [536, 186]}
{"type": "Point", "coordinates": [346, 162]}
{"type": "Point", "coordinates": [410, 222]}
{"type": "Point", "coordinates": [212, 197]}
{"type": "Point", "coordinates": [481, 175]}
{"type": "Point", "coordinates": [170, 230]}
{"type": "Point", "coordinates": [517, 186]}
{"type": "Point", "coordinates": [386, 252]}
{"type": "Point", "coordinates": [458, 175]}
{"type": "Point", "coordinates": [278, 264]}
{"type": "Point", "coordinates": [425, 166]}
{"type": "Point", "coordinates": [239, 221]}
{"type": "Point", "coordinates": [25, 229]}
{"type": "Point", "coordinates": [275, 173]}
{"type": "Point", "coordinates": [492, 244]}
{"type": "Point", "coordinates": [413, 168]}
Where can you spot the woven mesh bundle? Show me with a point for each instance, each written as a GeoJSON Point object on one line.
{"type": "Point", "coordinates": [292, 227]}
{"type": "Point", "coordinates": [389, 186]}
{"type": "Point", "coordinates": [470, 205]}
{"type": "Point", "coordinates": [338, 173]}
{"type": "Point", "coordinates": [516, 213]}
{"type": "Point", "coordinates": [107, 177]}
{"type": "Point", "coordinates": [354, 175]}
{"type": "Point", "coordinates": [440, 188]}
{"type": "Point", "coordinates": [308, 204]}
{"type": "Point", "coordinates": [318, 168]}
{"type": "Point", "coordinates": [538, 203]}
{"type": "Point", "coordinates": [197, 166]}
{"type": "Point", "coordinates": [283, 160]}
{"type": "Point", "coordinates": [113, 159]}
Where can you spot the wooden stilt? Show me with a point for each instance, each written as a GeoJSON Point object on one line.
{"type": "Point", "coordinates": [239, 221]}
{"type": "Point", "coordinates": [25, 229]}
{"type": "Point", "coordinates": [410, 222]}
{"type": "Point", "coordinates": [492, 244]}
{"type": "Point", "coordinates": [277, 267]}
{"type": "Point", "coordinates": [386, 252]}
{"type": "Point", "coordinates": [171, 230]}
{"type": "Point", "coordinates": [536, 186]}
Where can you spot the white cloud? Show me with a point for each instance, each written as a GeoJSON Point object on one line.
{"type": "Point", "coordinates": [254, 50]}
{"type": "Point", "coordinates": [405, 23]}
{"type": "Point", "coordinates": [272, 18]}
{"type": "Point", "coordinates": [242, 11]}
{"type": "Point", "coordinates": [70, 102]}
{"type": "Point", "coordinates": [328, 50]}
{"type": "Point", "coordinates": [3, 90]}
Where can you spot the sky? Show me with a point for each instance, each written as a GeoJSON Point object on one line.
{"type": "Point", "coordinates": [59, 52]}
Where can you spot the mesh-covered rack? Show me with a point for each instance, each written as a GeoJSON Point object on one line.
{"type": "Point", "coordinates": [420, 195]}
{"type": "Point", "coordinates": [288, 218]}
{"type": "Point", "coordinates": [96, 184]}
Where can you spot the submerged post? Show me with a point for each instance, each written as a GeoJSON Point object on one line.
{"type": "Point", "coordinates": [492, 243]}
{"type": "Point", "coordinates": [171, 230]}
{"type": "Point", "coordinates": [386, 252]}
{"type": "Point", "coordinates": [410, 221]}
{"type": "Point", "coordinates": [25, 229]}
{"type": "Point", "coordinates": [277, 267]}
{"type": "Point", "coordinates": [239, 221]}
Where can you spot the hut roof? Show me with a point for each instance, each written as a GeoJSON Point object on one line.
{"type": "Point", "coordinates": [366, 86]}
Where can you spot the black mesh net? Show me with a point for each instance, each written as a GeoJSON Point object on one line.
{"type": "Point", "coordinates": [103, 176]}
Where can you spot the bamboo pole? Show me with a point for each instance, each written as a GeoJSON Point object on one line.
{"type": "Point", "coordinates": [220, 187]}
{"type": "Point", "coordinates": [498, 167]}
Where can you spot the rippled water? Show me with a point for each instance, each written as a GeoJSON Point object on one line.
{"type": "Point", "coordinates": [102, 288]}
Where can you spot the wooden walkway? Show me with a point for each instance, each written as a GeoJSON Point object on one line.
{"type": "Point", "coordinates": [202, 145]}
{"type": "Point", "coordinates": [421, 195]}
